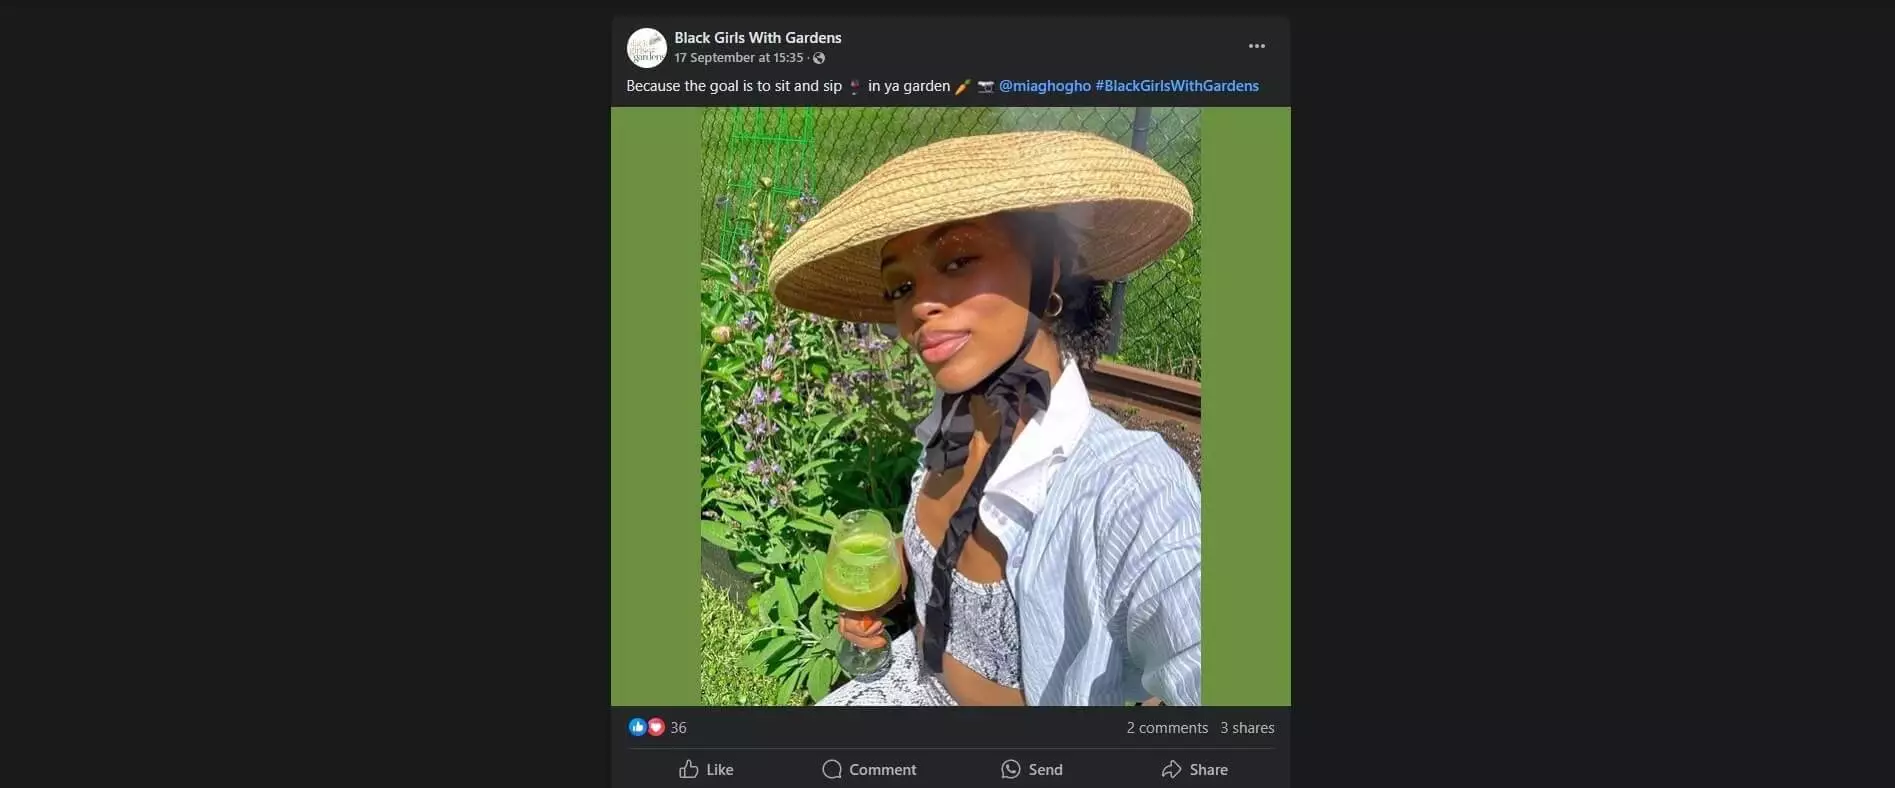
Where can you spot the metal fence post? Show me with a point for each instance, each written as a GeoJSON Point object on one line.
{"type": "Point", "coordinates": [1141, 129]}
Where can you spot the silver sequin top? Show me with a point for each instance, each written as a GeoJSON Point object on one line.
{"type": "Point", "coordinates": [986, 632]}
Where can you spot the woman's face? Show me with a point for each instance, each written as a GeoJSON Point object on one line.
{"type": "Point", "coordinates": [959, 292]}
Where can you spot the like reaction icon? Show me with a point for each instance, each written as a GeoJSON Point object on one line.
{"type": "Point", "coordinates": [688, 771]}
{"type": "Point", "coordinates": [636, 727]}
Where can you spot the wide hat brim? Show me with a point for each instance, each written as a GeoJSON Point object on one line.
{"type": "Point", "coordinates": [1123, 209]}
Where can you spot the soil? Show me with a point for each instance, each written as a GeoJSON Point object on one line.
{"type": "Point", "coordinates": [1186, 443]}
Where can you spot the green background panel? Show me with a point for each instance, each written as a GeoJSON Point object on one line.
{"type": "Point", "coordinates": [654, 406]}
{"type": "Point", "coordinates": [1247, 406]}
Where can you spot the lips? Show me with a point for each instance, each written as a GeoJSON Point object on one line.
{"type": "Point", "coordinates": [939, 346]}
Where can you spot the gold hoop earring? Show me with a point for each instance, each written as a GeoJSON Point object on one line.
{"type": "Point", "coordinates": [1059, 305]}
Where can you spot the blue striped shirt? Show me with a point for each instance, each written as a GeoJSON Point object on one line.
{"type": "Point", "coordinates": [1102, 530]}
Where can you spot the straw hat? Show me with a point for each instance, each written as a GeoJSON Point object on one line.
{"type": "Point", "coordinates": [1124, 211]}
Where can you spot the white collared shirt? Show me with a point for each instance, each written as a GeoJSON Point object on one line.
{"type": "Point", "coordinates": [1102, 530]}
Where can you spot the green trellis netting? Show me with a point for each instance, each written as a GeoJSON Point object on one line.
{"type": "Point", "coordinates": [822, 150]}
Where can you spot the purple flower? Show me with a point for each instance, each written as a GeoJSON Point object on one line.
{"type": "Point", "coordinates": [787, 347]}
{"type": "Point", "coordinates": [748, 322]}
{"type": "Point", "coordinates": [748, 254]}
{"type": "Point", "coordinates": [757, 395]}
{"type": "Point", "coordinates": [743, 419]}
{"type": "Point", "coordinates": [774, 503]}
{"type": "Point", "coordinates": [788, 228]}
{"type": "Point", "coordinates": [735, 282]}
{"type": "Point", "coordinates": [756, 467]}
{"type": "Point", "coordinates": [769, 363]}
{"type": "Point", "coordinates": [775, 467]}
{"type": "Point", "coordinates": [810, 200]}
{"type": "Point", "coordinates": [769, 343]}
{"type": "Point", "coordinates": [776, 395]}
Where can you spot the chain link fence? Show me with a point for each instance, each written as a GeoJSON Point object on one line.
{"type": "Point", "coordinates": [821, 151]}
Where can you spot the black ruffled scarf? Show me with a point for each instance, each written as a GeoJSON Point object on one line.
{"type": "Point", "coordinates": [1011, 389]}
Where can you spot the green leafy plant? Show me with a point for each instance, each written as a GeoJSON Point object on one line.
{"type": "Point", "coordinates": [1162, 315]}
{"type": "Point", "coordinates": [724, 633]}
{"type": "Point", "coordinates": [802, 418]}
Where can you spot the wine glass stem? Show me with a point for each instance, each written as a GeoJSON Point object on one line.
{"type": "Point", "coordinates": [856, 660]}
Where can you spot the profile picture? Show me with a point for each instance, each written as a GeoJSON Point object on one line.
{"type": "Point", "coordinates": [645, 47]}
{"type": "Point", "coordinates": [921, 487]}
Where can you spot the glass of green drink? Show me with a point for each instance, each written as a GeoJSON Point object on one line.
{"type": "Point", "coordinates": [862, 574]}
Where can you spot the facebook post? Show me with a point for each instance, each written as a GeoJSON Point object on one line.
{"type": "Point", "coordinates": [951, 391]}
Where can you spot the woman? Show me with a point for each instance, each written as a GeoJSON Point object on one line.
{"type": "Point", "coordinates": [1053, 555]}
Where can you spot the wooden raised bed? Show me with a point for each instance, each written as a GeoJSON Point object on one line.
{"type": "Point", "coordinates": [1153, 395]}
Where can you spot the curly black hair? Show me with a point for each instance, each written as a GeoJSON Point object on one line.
{"type": "Point", "coordinates": [1083, 327]}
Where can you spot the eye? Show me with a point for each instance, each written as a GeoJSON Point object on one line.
{"type": "Point", "coordinates": [959, 262]}
{"type": "Point", "coordinates": [897, 292]}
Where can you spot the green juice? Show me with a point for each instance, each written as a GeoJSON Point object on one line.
{"type": "Point", "coordinates": [863, 573]}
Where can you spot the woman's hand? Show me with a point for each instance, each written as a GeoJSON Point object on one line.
{"type": "Point", "coordinates": [865, 629]}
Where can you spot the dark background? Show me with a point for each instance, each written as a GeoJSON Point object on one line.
{"type": "Point", "coordinates": [1592, 436]}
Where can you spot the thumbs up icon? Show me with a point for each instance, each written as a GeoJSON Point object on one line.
{"type": "Point", "coordinates": [688, 771]}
